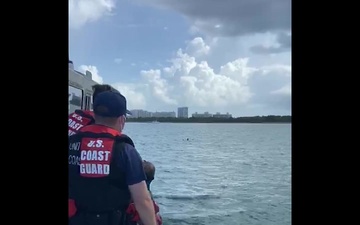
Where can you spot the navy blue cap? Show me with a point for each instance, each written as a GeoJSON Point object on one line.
{"type": "Point", "coordinates": [110, 104]}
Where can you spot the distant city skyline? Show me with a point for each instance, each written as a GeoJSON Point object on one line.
{"type": "Point", "coordinates": [182, 113]}
{"type": "Point", "coordinates": [219, 113]}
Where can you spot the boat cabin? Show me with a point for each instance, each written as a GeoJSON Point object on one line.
{"type": "Point", "coordinates": [80, 89]}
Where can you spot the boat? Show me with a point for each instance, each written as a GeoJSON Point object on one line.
{"type": "Point", "coordinates": [80, 89]}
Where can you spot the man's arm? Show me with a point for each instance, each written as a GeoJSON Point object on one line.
{"type": "Point", "coordinates": [135, 179]}
{"type": "Point", "coordinates": [143, 203]}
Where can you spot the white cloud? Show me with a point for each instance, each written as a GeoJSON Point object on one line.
{"type": "Point", "coordinates": [285, 90]}
{"type": "Point", "coordinates": [235, 86]}
{"type": "Point", "coordinates": [188, 81]}
{"type": "Point", "coordinates": [85, 11]}
{"type": "Point", "coordinates": [95, 73]}
{"type": "Point", "coordinates": [133, 93]}
{"type": "Point", "coordinates": [197, 47]}
{"type": "Point", "coordinates": [159, 86]}
{"type": "Point", "coordinates": [198, 84]}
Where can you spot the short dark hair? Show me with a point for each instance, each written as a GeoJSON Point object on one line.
{"type": "Point", "coordinates": [99, 88]}
{"type": "Point", "coordinates": [149, 170]}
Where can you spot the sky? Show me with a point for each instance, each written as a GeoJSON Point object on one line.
{"type": "Point", "coordinates": [209, 55]}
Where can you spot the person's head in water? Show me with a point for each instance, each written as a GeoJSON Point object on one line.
{"type": "Point", "coordinates": [110, 110]}
{"type": "Point", "coordinates": [149, 170]}
{"type": "Point", "coordinates": [99, 88]}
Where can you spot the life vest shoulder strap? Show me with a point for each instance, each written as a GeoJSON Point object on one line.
{"type": "Point", "coordinates": [104, 131]}
{"type": "Point", "coordinates": [86, 114]}
{"type": "Point", "coordinates": [123, 138]}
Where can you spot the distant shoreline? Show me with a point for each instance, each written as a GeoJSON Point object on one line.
{"type": "Point", "coordinates": [255, 119]}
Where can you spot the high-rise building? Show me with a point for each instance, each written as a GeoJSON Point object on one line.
{"type": "Point", "coordinates": [183, 112]}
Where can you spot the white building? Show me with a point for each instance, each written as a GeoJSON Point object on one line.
{"type": "Point", "coordinates": [164, 114]}
{"type": "Point", "coordinates": [139, 113]}
{"type": "Point", "coordinates": [202, 115]}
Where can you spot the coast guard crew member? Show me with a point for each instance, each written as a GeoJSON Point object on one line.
{"type": "Point", "coordinates": [106, 171]}
{"type": "Point", "coordinates": [81, 118]}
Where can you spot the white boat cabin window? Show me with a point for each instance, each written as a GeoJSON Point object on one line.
{"type": "Point", "coordinates": [75, 98]}
{"type": "Point", "coordinates": [91, 104]}
{"type": "Point", "coordinates": [88, 102]}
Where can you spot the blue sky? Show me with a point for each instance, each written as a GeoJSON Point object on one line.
{"type": "Point", "coordinates": [134, 34]}
{"type": "Point", "coordinates": [206, 55]}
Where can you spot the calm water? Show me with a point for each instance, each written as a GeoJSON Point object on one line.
{"type": "Point", "coordinates": [225, 174]}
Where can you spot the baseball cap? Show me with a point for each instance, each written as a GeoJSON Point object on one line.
{"type": "Point", "coordinates": [110, 104]}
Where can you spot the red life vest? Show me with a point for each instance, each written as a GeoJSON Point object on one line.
{"type": "Point", "coordinates": [106, 142]}
{"type": "Point", "coordinates": [79, 119]}
{"type": "Point", "coordinates": [72, 207]}
{"type": "Point", "coordinates": [135, 217]}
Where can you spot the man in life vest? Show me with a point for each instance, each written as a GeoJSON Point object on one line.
{"type": "Point", "coordinates": [105, 169]}
{"type": "Point", "coordinates": [149, 170]}
{"type": "Point", "coordinates": [81, 118]}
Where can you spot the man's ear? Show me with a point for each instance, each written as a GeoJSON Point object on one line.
{"type": "Point", "coordinates": [120, 120]}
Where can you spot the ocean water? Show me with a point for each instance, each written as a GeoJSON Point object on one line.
{"type": "Point", "coordinates": [224, 174]}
